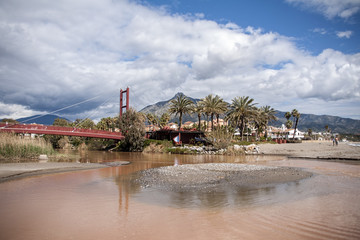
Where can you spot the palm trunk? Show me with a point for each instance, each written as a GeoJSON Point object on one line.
{"type": "Point", "coordinates": [296, 123]}
{"type": "Point", "coordinates": [180, 120]}
{"type": "Point", "coordinates": [212, 121]}
{"type": "Point", "coordinates": [199, 117]}
{"type": "Point", "coordinates": [242, 129]}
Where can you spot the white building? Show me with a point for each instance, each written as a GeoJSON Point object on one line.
{"type": "Point", "coordinates": [298, 134]}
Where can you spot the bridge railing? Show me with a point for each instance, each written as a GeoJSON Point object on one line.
{"type": "Point", "coordinates": [49, 129]}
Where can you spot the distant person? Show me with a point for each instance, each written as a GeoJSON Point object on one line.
{"type": "Point", "coordinates": [333, 139]}
{"type": "Point", "coordinates": [336, 141]}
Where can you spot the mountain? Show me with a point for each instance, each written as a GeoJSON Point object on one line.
{"type": "Point", "coordinates": [162, 107]}
{"type": "Point", "coordinates": [315, 122]}
{"type": "Point", "coordinates": [40, 119]}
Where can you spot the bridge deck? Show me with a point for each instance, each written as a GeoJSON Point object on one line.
{"type": "Point", "coordinates": [55, 130]}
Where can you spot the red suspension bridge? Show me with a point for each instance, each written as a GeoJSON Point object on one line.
{"type": "Point", "coordinates": [68, 131]}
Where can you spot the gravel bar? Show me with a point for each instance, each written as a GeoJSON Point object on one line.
{"type": "Point", "coordinates": [212, 177]}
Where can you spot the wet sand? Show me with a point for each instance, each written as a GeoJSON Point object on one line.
{"type": "Point", "coordinates": [313, 149]}
{"type": "Point", "coordinates": [213, 177]}
{"type": "Point", "coordinates": [11, 171]}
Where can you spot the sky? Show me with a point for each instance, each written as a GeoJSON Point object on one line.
{"type": "Point", "coordinates": [72, 57]}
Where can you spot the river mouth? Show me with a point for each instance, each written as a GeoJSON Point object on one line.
{"type": "Point", "coordinates": [215, 177]}
{"type": "Point", "coordinates": [109, 203]}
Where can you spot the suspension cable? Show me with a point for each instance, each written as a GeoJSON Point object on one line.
{"type": "Point", "coordinates": [73, 105]}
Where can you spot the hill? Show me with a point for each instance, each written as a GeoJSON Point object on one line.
{"type": "Point", "coordinates": [39, 119]}
{"type": "Point", "coordinates": [315, 122]}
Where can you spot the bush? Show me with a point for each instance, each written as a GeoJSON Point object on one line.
{"type": "Point", "coordinates": [220, 138]}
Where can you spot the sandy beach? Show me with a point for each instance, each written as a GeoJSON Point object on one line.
{"type": "Point", "coordinates": [313, 149]}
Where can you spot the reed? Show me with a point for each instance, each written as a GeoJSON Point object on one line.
{"type": "Point", "coordinates": [15, 147]}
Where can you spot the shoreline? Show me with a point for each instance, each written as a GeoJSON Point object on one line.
{"type": "Point", "coordinates": [321, 150]}
{"type": "Point", "coordinates": [13, 171]}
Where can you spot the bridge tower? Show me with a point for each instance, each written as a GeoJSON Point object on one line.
{"type": "Point", "coordinates": [122, 106]}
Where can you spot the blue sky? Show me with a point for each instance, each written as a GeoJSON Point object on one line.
{"type": "Point", "coordinates": [311, 29]}
{"type": "Point", "coordinates": [302, 54]}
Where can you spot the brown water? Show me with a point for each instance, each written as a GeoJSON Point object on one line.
{"type": "Point", "coordinates": [103, 204]}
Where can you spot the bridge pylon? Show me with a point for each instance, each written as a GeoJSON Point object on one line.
{"type": "Point", "coordinates": [122, 105]}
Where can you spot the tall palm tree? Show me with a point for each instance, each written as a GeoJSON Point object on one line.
{"type": "Point", "coordinates": [198, 109]}
{"type": "Point", "coordinates": [213, 105]}
{"type": "Point", "coordinates": [241, 110]}
{"type": "Point", "coordinates": [268, 114]}
{"type": "Point", "coordinates": [181, 105]}
{"type": "Point", "coordinates": [296, 116]}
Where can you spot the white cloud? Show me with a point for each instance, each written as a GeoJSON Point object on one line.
{"type": "Point", "coordinates": [54, 54]}
{"type": "Point", "coordinates": [16, 111]}
{"type": "Point", "coordinates": [345, 34]}
{"type": "Point", "coordinates": [322, 31]}
{"type": "Point", "coordinates": [331, 8]}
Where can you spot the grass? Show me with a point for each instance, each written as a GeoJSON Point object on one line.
{"type": "Point", "coordinates": [13, 147]}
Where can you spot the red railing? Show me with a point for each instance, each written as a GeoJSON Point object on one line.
{"type": "Point", "coordinates": [56, 130]}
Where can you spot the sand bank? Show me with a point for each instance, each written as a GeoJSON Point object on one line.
{"type": "Point", "coordinates": [215, 177]}
{"type": "Point", "coordinates": [313, 149]}
{"type": "Point", "coordinates": [10, 171]}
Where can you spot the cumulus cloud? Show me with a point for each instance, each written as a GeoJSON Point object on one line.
{"type": "Point", "coordinates": [331, 8]}
{"type": "Point", "coordinates": [57, 53]}
{"type": "Point", "coordinates": [345, 34]}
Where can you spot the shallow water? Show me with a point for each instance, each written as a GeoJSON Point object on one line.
{"type": "Point", "coordinates": [103, 204]}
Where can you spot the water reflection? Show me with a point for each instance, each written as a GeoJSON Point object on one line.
{"type": "Point", "coordinates": [103, 204]}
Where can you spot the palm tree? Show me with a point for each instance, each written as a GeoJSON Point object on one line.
{"type": "Point", "coordinates": [296, 116]}
{"type": "Point", "coordinates": [287, 115]}
{"type": "Point", "coordinates": [268, 115]}
{"type": "Point", "coordinates": [198, 109]}
{"type": "Point", "coordinates": [241, 110]}
{"type": "Point", "coordinates": [213, 105]}
{"type": "Point", "coordinates": [181, 105]}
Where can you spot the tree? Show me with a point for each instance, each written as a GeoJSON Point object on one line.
{"type": "Point", "coordinates": [267, 114]}
{"type": "Point", "coordinates": [164, 119]}
{"type": "Point", "coordinates": [213, 106]}
{"type": "Point", "coordinates": [296, 116]}
{"type": "Point", "coordinates": [152, 119]}
{"type": "Point", "coordinates": [287, 115]}
{"type": "Point", "coordinates": [86, 123]}
{"type": "Point", "coordinates": [106, 124]}
{"type": "Point", "coordinates": [241, 110]}
{"type": "Point", "coordinates": [132, 127]}
{"type": "Point", "coordinates": [197, 108]}
{"type": "Point", "coordinates": [179, 106]}
{"type": "Point", "coordinates": [61, 122]}
{"type": "Point", "coordinates": [288, 124]}
{"type": "Point", "coordinates": [310, 132]}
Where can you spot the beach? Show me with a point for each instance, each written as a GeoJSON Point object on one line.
{"type": "Point", "coordinates": [313, 149]}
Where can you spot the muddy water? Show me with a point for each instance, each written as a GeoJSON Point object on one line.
{"type": "Point", "coordinates": [102, 204]}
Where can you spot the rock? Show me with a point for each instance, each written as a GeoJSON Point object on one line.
{"type": "Point", "coordinates": [43, 158]}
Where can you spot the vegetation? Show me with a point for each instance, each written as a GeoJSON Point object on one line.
{"type": "Point", "coordinates": [132, 128]}
{"type": "Point", "coordinates": [179, 106]}
{"type": "Point", "coordinates": [296, 116]}
{"type": "Point", "coordinates": [242, 111]}
{"type": "Point", "coordinates": [16, 147]}
{"type": "Point", "coordinates": [213, 106]}
{"type": "Point", "coordinates": [220, 138]}
{"type": "Point", "coordinates": [198, 109]}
